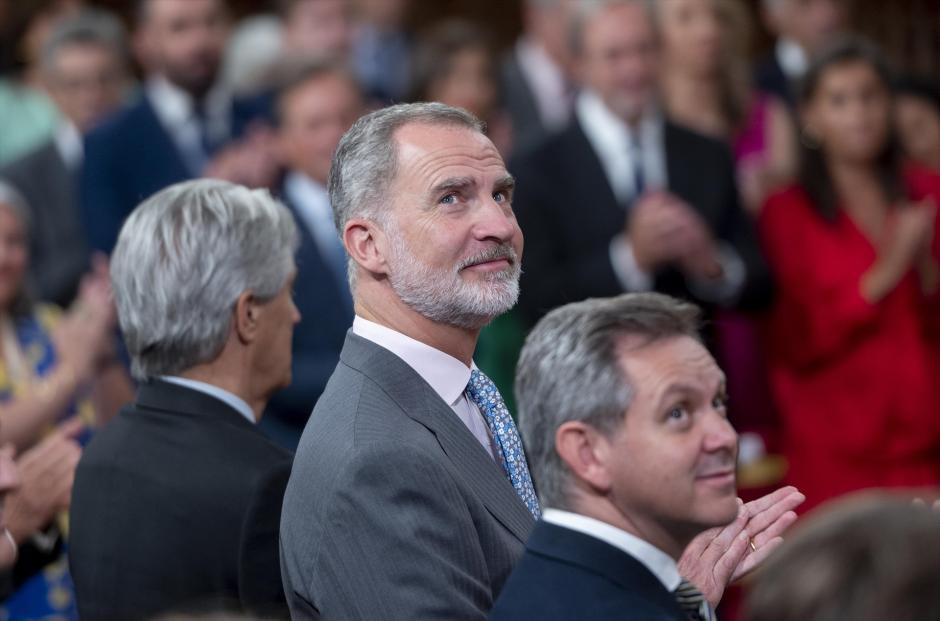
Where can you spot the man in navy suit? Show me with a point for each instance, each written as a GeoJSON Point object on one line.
{"type": "Point", "coordinates": [181, 127]}
{"type": "Point", "coordinates": [622, 410]}
{"type": "Point", "coordinates": [318, 102]}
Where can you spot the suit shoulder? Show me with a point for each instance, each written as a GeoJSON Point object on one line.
{"type": "Point", "coordinates": [116, 126]}
{"type": "Point", "coordinates": [26, 165]}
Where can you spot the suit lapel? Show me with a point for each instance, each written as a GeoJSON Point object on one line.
{"type": "Point", "coordinates": [419, 401]}
{"type": "Point", "coordinates": [575, 548]}
{"type": "Point", "coordinates": [590, 179]}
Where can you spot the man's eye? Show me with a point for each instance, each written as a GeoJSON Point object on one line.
{"type": "Point", "coordinates": [500, 197]}
{"type": "Point", "coordinates": [677, 413]}
{"type": "Point", "coordinates": [448, 199]}
{"type": "Point", "coordinates": [720, 402]}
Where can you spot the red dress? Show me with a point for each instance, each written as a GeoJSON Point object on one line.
{"type": "Point", "coordinates": [857, 384]}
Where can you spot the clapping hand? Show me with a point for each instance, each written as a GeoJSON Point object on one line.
{"type": "Point", "coordinates": [720, 556]}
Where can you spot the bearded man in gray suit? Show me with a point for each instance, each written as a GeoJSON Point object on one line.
{"type": "Point", "coordinates": [410, 497]}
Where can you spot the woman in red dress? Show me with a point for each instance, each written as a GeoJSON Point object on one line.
{"type": "Point", "coordinates": [854, 337]}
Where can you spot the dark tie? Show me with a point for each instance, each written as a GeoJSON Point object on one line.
{"type": "Point", "coordinates": [483, 392]}
{"type": "Point", "coordinates": [690, 600]}
{"type": "Point", "coordinates": [636, 156]}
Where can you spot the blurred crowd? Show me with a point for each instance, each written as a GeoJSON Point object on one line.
{"type": "Point", "coordinates": [792, 196]}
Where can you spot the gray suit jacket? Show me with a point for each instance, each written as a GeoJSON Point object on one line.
{"type": "Point", "coordinates": [394, 510]}
{"type": "Point", "coordinates": [58, 252]}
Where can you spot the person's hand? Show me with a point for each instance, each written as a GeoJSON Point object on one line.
{"type": "Point", "coordinates": [46, 473]}
{"type": "Point", "coordinates": [910, 233]}
{"type": "Point", "coordinates": [252, 161]}
{"type": "Point", "coordinates": [662, 229]}
{"type": "Point", "coordinates": [722, 555]}
{"type": "Point", "coordinates": [9, 482]}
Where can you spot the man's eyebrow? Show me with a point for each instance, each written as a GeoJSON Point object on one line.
{"type": "Point", "coordinates": [505, 183]}
{"type": "Point", "coordinates": [452, 184]}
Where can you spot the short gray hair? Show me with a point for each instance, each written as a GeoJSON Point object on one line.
{"type": "Point", "coordinates": [366, 159]}
{"type": "Point", "coordinates": [183, 258]}
{"type": "Point", "coordinates": [90, 27]}
{"type": "Point", "coordinates": [569, 370]}
{"type": "Point", "coordinates": [585, 10]}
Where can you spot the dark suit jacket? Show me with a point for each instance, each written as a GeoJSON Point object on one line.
{"type": "Point", "coordinates": [326, 310]}
{"type": "Point", "coordinates": [58, 254]}
{"type": "Point", "coordinates": [565, 575]}
{"type": "Point", "coordinates": [528, 130]}
{"type": "Point", "coordinates": [770, 78]}
{"type": "Point", "coordinates": [176, 505]}
{"type": "Point", "coordinates": [569, 215]}
{"type": "Point", "coordinates": [394, 511]}
{"type": "Point", "coordinates": [131, 156]}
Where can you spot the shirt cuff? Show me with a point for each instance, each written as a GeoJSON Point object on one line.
{"type": "Point", "coordinates": [725, 290]}
{"type": "Point", "coordinates": [631, 277]}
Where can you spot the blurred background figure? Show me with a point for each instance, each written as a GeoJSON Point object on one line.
{"type": "Point", "coordinates": [84, 69]}
{"type": "Point", "coordinates": [317, 28]}
{"type": "Point", "coordinates": [317, 104]}
{"type": "Point", "coordinates": [27, 116]}
{"type": "Point", "coordinates": [454, 63]}
{"type": "Point", "coordinates": [382, 48]}
{"type": "Point", "coordinates": [865, 559]}
{"type": "Point", "coordinates": [57, 369]}
{"type": "Point", "coordinates": [185, 124]}
{"type": "Point", "coordinates": [801, 28]}
{"type": "Point", "coordinates": [706, 85]}
{"type": "Point", "coordinates": [917, 114]}
{"type": "Point", "coordinates": [853, 343]}
{"type": "Point", "coordinates": [538, 74]}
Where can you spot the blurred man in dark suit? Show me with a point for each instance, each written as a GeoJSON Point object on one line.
{"type": "Point", "coordinates": [316, 106]}
{"type": "Point", "coordinates": [623, 199]}
{"type": "Point", "coordinates": [84, 70]}
{"type": "Point", "coordinates": [177, 501]}
{"type": "Point", "coordinates": [537, 75]}
{"type": "Point", "coordinates": [623, 413]}
{"type": "Point", "coordinates": [802, 27]}
{"type": "Point", "coordinates": [184, 125]}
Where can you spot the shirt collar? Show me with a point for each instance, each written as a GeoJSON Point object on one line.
{"type": "Point", "coordinates": [792, 58]}
{"type": "Point", "coordinates": [175, 107]}
{"type": "Point", "coordinates": [446, 375]}
{"type": "Point", "coordinates": [659, 563]}
{"type": "Point", "coordinates": [607, 132]}
{"type": "Point", "coordinates": [302, 189]}
{"type": "Point", "coordinates": [68, 142]}
{"type": "Point", "coordinates": [233, 401]}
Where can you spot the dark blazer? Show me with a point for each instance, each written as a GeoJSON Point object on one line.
{"type": "Point", "coordinates": [394, 511]}
{"type": "Point", "coordinates": [528, 129]}
{"type": "Point", "coordinates": [565, 575]}
{"type": "Point", "coordinates": [569, 215]}
{"type": "Point", "coordinates": [58, 254]}
{"type": "Point", "coordinates": [326, 313]}
{"type": "Point", "coordinates": [770, 78]}
{"type": "Point", "coordinates": [131, 156]}
{"type": "Point", "coordinates": [175, 506]}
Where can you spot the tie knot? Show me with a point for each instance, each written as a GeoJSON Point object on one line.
{"type": "Point", "coordinates": [482, 389]}
{"type": "Point", "coordinates": [690, 599]}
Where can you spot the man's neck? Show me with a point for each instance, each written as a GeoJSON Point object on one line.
{"type": "Point", "coordinates": [394, 314]}
{"type": "Point", "coordinates": [228, 381]}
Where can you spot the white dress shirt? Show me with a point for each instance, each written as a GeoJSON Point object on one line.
{"type": "Point", "coordinates": [68, 142]}
{"type": "Point", "coordinates": [222, 395]}
{"type": "Point", "coordinates": [659, 563]}
{"type": "Point", "coordinates": [792, 58]}
{"type": "Point", "coordinates": [312, 202]}
{"type": "Point", "coordinates": [547, 82]}
{"type": "Point", "coordinates": [622, 149]}
{"type": "Point", "coordinates": [176, 110]}
{"type": "Point", "coordinates": [446, 375]}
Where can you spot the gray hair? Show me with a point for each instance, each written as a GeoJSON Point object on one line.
{"type": "Point", "coordinates": [183, 258]}
{"type": "Point", "coordinates": [586, 10]}
{"type": "Point", "coordinates": [366, 159]}
{"type": "Point", "coordinates": [90, 27]}
{"type": "Point", "coordinates": [569, 370]}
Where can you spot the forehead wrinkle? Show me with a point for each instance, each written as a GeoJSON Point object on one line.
{"type": "Point", "coordinates": [431, 164]}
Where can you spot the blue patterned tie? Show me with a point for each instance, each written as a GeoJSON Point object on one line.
{"type": "Point", "coordinates": [482, 391]}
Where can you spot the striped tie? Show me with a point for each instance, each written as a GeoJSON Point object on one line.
{"type": "Point", "coordinates": [693, 602]}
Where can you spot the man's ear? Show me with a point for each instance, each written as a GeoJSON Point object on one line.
{"type": "Point", "coordinates": [366, 244]}
{"type": "Point", "coordinates": [583, 450]}
{"type": "Point", "coordinates": [247, 313]}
